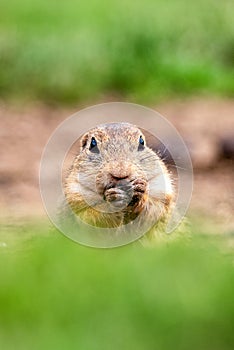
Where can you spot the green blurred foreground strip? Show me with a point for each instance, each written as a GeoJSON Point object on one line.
{"type": "Point", "coordinates": [73, 51]}
{"type": "Point", "coordinates": [55, 294]}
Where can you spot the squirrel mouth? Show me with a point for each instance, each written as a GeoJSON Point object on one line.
{"type": "Point", "coordinates": [124, 193]}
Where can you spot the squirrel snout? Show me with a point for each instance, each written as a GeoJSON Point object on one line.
{"type": "Point", "coordinates": [119, 171]}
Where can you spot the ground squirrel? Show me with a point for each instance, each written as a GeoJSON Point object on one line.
{"type": "Point", "coordinates": [116, 177]}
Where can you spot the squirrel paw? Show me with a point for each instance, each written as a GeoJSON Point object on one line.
{"type": "Point", "coordinates": [116, 196]}
{"type": "Point", "coordinates": [139, 186]}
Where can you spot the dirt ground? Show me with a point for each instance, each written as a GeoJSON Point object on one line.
{"type": "Point", "coordinates": [202, 123]}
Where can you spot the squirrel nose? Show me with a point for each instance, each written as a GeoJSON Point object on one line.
{"type": "Point", "coordinates": [120, 177]}
{"type": "Point", "coordinates": [119, 171]}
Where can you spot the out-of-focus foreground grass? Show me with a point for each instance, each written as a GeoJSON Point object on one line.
{"type": "Point", "coordinates": [58, 51]}
{"type": "Point", "coordinates": [55, 294]}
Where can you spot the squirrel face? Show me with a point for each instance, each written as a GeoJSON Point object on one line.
{"type": "Point", "coordinates": [116, 167]}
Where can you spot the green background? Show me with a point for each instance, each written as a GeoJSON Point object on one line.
{"type": "Point", "coordinates": [63, 52]}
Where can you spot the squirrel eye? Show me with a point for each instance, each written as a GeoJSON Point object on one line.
{"type": "Point", "coordinates": [93, 145]}
{"type": "Point", "coordinates": [141, 143]}
{"type": "Point", "coordinates": [93, 142]}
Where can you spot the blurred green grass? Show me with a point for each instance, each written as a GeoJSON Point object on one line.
{"type": "Point", "coordinates": [67, 52]}
{"type": "Point", "coordinates": [55, 294]}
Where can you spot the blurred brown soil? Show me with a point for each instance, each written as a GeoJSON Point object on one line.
{"type": "Point", "coordinates": [24, 132]}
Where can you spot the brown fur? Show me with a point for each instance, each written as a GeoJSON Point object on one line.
{"type": "Point", "coordinates": [118, 175]}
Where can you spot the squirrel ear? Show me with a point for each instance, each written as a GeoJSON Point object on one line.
{"type": "Point", "coordinates": [83, 141]}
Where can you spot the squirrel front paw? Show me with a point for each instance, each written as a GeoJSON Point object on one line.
{"type": "Point", "coordinates": [140, 187]}
{"type": "Point", "coordinates": [117, 196]}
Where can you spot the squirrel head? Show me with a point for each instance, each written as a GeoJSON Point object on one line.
{"type": "Point", "coordinates": [116, 156]}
